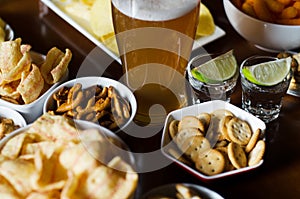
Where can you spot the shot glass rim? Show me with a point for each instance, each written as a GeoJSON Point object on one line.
{"type": "Point", "coordinates": [205, 84]}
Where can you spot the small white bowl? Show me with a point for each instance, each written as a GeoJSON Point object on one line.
{"type": "Point", "coordinates": [14, 115]}
{"type": "Point", "coordinates": [266, 36]}
{"type": "Point", "coordinates": [34, 109]}
{"type": "Point", "coordinates": [9, 33]}
{"type": "Point", "coordinates": [86, 82]}
{"type": "Point", "coordinates": [207, 107]}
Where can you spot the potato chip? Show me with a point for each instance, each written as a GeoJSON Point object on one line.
{"type": "Point", "coordinates": [18, 173]}
{"type": "Point", "coordinates": [55, 128]}
{"type": "Point", "coordinates": [14, 146]}
{"type": "Point", "coordinates": [55, 65]}
{"type": "Point", "coordinates": [15, 73]}
{"type": "Point", "coordinates": [10, 90]}
{"type": "Point", "coordinates": [7, 190]}
{"type": "Point", "coordinates": [44, 195]}
{"type": "Point", "coordinates": [31, 85]}
{"type": "Point", "coordinates": [10, 54]}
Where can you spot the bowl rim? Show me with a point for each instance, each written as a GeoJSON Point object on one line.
{"type": "Point", "coordinates": [16, 116]}
{"type": "Point", "coordinates": [98, 79]}
{"type": "Point", "coordinates": [258, 20]}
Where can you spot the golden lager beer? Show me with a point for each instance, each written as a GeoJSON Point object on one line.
{"type": "Point", "coordinates": [155, 39]}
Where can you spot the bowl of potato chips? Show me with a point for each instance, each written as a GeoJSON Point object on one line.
{"type": "Point", "coordinates": [55, 157]}
{"type": "Point", "coordinates": [101, 100]}
{"type": "Point", "coordinates": [271, 25]}
{"type": "Point", "coordinates": [27, 77]}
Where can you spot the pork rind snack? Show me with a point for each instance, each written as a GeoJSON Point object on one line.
{"type": "Point", "coordinates": [54, 159]}
{"type": "Point", "coordinates": [21, 80]}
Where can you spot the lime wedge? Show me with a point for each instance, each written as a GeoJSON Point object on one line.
{"type": "Point", "coordinates": [216, 70]}
{"type": "Point", "coordinates": [268, 73]}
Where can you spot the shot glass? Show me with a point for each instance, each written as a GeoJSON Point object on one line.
{"type": "Point", "coordinates": [207, 91]}
{"type": "Point", "coordinates": [263, 101]}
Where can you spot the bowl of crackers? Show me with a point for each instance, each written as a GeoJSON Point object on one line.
{"type": "Point", "coordinates": [271, 25]}
{"type": "Point", "coordinates": [27, 77]}
{"type": "Point", "coordinates": [214, 139]}
{"type": "Point", "coordinates": [55, 157]}
{"type": "Point", "coordinates": [101, 100]}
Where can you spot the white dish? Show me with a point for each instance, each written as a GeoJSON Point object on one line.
{"type": "Point", "coordinates": [14, 115]}
{"type": "Point", "coordinates": [198, 42]}
{"type": "Point", "coordinates": [208, 107]}
{"type": "Point", "coordinates": [169, 191]}
{"type": "Point", "coordinates": [9, 33]}
{"type": "Point", "coordinates": [92, 81]}
{"type": "Point", "coordinates": [34, 109]}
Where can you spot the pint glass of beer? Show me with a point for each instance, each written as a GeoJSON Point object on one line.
{"type": "Point", "coordinates": [155, 39]}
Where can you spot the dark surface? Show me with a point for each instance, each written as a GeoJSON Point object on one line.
{"type": "Point", "coordinates": [278, 177]}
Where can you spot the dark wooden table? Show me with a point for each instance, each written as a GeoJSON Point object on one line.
{"type": "Point", "coordinates": [278, 177]}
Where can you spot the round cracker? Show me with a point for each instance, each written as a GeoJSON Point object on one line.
{"type": "Point", "coordinates": [239, 131]}
{"type": "Point", "coordinates": [223, 125]}
{"type": "Point", "coordinates": [237, 155]}
{"type": "Point", "coordinates": [186, 133]}
{"type": "Point", "coordinates": [212, 163]}
{"type": "Point", "coordinates": [205, 119]}
{"type": "Point", "coordinates": [173, 128]}
{"type": "Point", "coordinates": [257, 153]}
{"type": "Point", "coordinates": [253, 140]}
{"type": "Point", "coordinates": [228, 164]}
{"type": "Point", "coordinates": [195, 146]}
{"type": "Point", "coordinates": [190, 122]}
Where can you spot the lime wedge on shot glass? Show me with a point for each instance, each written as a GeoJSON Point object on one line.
{"type": "Point", "coordinates": [216, 70]}
{"type": "Point", "coordinates": [268, 73]}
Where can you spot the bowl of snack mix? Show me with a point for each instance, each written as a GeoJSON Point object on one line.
{"type": "Point", "coordinates": [27, 77]}
{"type": "Point", "coordinates": [10, 120]}
{"type": "Point", "coordinates": [271, 25]}
{"type": "Point", "coordinates": [101, 100]}
{"type": "Point", "coordinates": [55, 157]}
{"type": "Point", "coordinates": [214, 139]}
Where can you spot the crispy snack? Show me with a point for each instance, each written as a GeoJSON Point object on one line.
{"type": "Point", "coordinates": [7, 126]}
{"type": "Point", "coordinates": [54, 162]}
{"type": "Point", "coordinates": [225, 145]}
{"type": "Point", "coordinates": [97, 104]}
{"type": "Point", "coordinates": [2, 32]}
{"type": "Point", "coordinates": [21, 80]}
{"type": "Point", "coordinates": [286, 12]}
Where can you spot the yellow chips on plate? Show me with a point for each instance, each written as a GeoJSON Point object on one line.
{"type": "Point", "coordinates": [63, 162]}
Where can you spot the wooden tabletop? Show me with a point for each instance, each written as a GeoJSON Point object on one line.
{"type": "Point", "coordinates": [278, 177]}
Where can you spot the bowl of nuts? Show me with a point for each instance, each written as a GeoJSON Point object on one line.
{"type": "Point", "coordinates": [271, 25]}
{"type": "Point", "coordinates": [214, 139]}
{"type": "Point", "coordinates": [97, 99]}
{"type": "Point", "coordinates": [10, 120]}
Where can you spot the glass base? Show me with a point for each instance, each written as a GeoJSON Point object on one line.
{"type": "Point", "coordinates": [266, 115]}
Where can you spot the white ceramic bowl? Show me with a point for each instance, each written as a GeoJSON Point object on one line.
{"type": "Point", "coordinates": [267, 36]}
{"type": "Point", "coordinates": [86, 82]}
{"type": "Point", "coordinates": [34, 109]}
{"type": "Point", "coordinates": [208, 107]}
{"type": "Point", "coordinates": [12, 114]}
{"type": "Point", "coordinates": [9, 33]}
{"type": "Point", "coordinates": [117, 146]}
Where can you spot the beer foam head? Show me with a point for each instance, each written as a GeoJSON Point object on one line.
{"type": "Point", "coordinates": [155, 10]}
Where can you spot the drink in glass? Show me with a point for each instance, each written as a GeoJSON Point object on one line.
{"type": "Point", "coordinates": [212, 77]}
{"type": "Point", "coordinates": [264, 101]}
{"type": "Point", "coordinates": [155, 39]}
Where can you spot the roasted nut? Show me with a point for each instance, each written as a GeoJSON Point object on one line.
{"type": "Point", "coordinates": [95, 103]}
